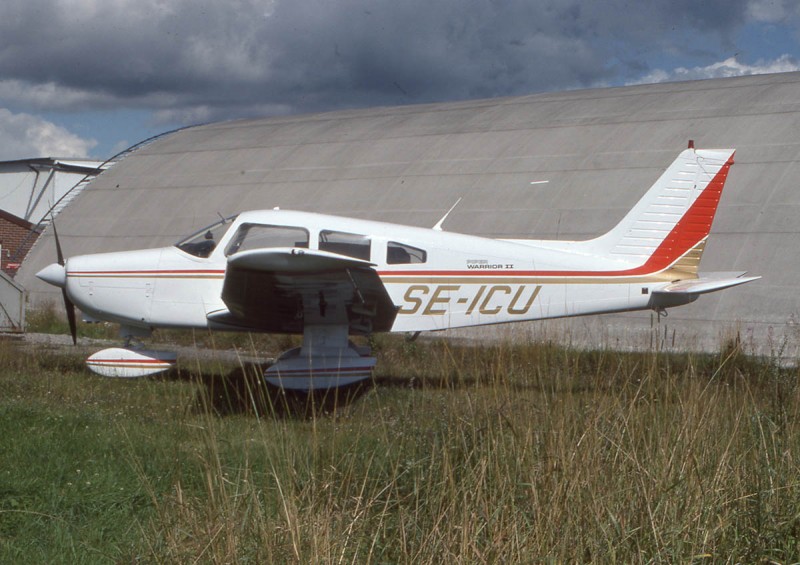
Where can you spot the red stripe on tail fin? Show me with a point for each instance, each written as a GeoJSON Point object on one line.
{"type": "Point", "coordinates": [693, 228]}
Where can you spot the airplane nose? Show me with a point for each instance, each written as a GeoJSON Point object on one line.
{"type": "Point", "coordinates": [54, 274]}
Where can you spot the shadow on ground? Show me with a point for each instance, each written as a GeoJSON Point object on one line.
{"type": "Point", "coordinates": [243, 390]}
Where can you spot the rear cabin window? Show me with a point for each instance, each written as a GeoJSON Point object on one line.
{"type": "Point", "coordinates": [259, 236]}
{"type": "Point", "coordinates": [401, 254]}
{"type": "Point", "coordinates": [350, 244]}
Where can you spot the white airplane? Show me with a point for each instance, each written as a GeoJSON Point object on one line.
{"type": "Point", "coordinates": [330, 277]}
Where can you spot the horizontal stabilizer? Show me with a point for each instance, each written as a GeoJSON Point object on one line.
{"type": "Point", "coordinates": [708, 283]}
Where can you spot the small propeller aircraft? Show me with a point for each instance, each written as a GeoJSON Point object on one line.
{"type": "Point", "coordinates": [329, 277]}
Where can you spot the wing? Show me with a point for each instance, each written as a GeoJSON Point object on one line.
{"type": "Point", "coordinates": [283, 290]}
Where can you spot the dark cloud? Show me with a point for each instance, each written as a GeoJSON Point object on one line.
{"type": "Point", "coordinates": [211, 59]}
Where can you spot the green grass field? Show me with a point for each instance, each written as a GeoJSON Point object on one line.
{"type": "Point", "coordinates": [502, 453]}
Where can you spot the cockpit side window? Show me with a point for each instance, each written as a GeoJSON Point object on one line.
{"type": "Point", "coordinates": [402, 254]}
{"type": "Point", "coordinates": [202, 243]}
{"type": "Point", "coordinates": [260, 236]}
{"type": "Point", "coordinates": [350, 244]}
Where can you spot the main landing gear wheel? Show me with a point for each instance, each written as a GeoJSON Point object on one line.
{"type": "Point", "coordinates": [326, 368]}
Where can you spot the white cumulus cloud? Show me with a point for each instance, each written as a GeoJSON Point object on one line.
{"type": "Point", "coordinates": [730, 67]}
{"type": "Point", "coordinates": [25, 136]}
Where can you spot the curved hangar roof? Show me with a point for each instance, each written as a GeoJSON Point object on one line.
{"type": "Point", "coordinates": [563, 165]}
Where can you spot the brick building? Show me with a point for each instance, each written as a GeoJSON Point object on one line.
{"type": "Point", "coordinates": [16, 238]}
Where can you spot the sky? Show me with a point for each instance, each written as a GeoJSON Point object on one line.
{"type": "Point", "coordinates": [88, 78]}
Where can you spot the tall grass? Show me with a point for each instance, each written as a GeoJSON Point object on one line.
{"type": "Point", "coordinates": [504, 453]}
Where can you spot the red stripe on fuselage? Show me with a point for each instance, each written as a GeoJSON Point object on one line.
{"type": "Point", "coordinates": [690, 230]}
{"type": "Point", "coordinates": [146, 273]}
{"type": "Point", "coordinates": [129, 361]}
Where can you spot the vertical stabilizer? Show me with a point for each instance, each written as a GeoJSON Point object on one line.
{"type": "Point", "coordinates": [668, 227]}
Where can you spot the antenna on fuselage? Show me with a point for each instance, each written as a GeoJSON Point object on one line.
{"type": "Point", "coordinates": [438, 226]}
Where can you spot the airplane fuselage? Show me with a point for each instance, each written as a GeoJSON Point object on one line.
{"type": "Point", "coordinates": [436, 279]}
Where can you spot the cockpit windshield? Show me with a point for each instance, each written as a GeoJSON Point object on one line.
{"type": "Point", "coordinates": [203, 242]}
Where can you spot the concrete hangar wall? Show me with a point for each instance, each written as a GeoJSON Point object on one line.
{"type": "Point", "coordinates": [598, 149]}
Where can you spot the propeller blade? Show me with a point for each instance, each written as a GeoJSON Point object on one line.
{"type": "Point", "coordinates": [59, 254]}
{"type": "Point", "coordinates": [68, 305]}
